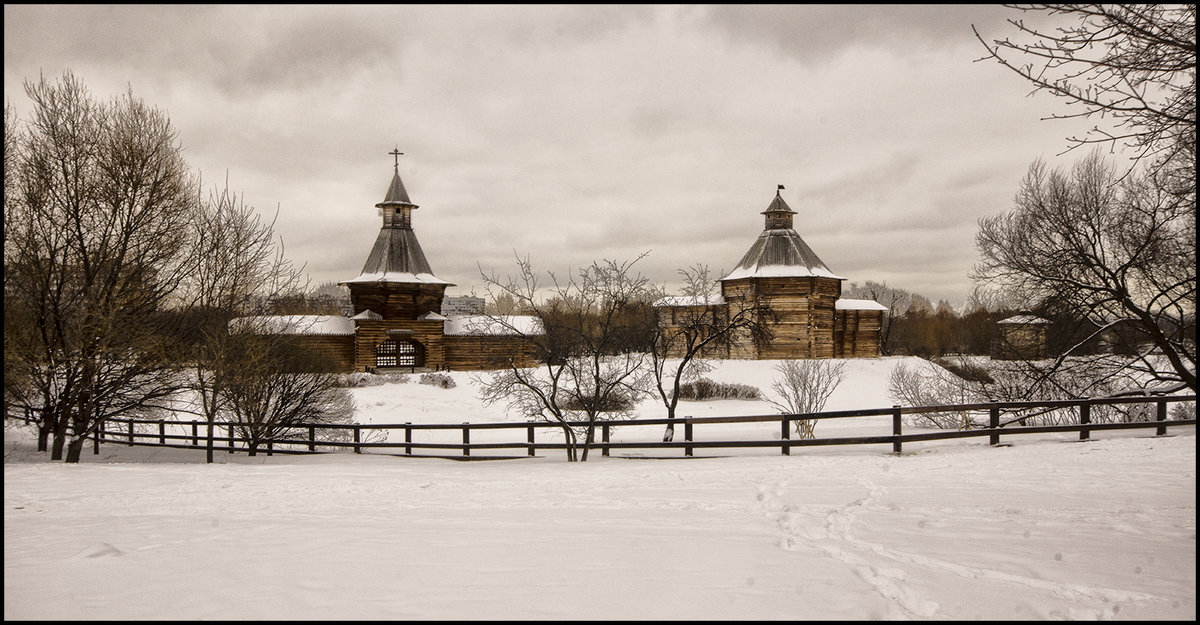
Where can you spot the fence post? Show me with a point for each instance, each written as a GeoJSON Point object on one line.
{"type": "Point", "coordinates": [994, 423]}
{"type": "Point", "coordinates": [408, 437]}
{"type": "Point", "coordinates": [131, 432]}
{"type": "Point", "coordinates": [687, 435]}
{"type": "Point", "coordinates": [270, 447]}
{"type": "Point", "coordinates": [529, 436]}
{"type": "Point", "coordinates": [96, 438]}
{"type": "Point", "coordinates": [466, 438]}
{"type": "Point", "coordinates": [357, 439]}
{"type": "Point", "coordinates": [1162, 416]}
{"type": "Point", "coordinates": [195, 434]}
{"type": "Point", "coordinates": [162, 432]}
{"type": "Point", "coordinates": [785, 435]}
{"type": "Point", "coordinates": [604, 438]}
{"type": "Point", "coordinates": [1085, 417]}
{"type": "Point", "coordinates": [896, 421]}
{"type": "Point", "coordinates": [230, 438]}
{"type": "Point", "coordinates": [312, 438]}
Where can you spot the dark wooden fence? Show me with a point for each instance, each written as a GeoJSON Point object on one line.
{"type": "Point", "coordinates": [305, 439]}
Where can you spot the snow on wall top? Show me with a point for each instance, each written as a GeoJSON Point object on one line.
{"type": "Point", "coordinates": [483, 325]}
{"type": "Point", "coordinates": [294, 324]}
{"type": "Point", "coordinates": [859, 304]}
{"type": "Point", "coordinates": [1024, 319]}
{"type": "Point", "coordinates": [690, 300]}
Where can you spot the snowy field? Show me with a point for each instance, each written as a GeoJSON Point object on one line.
{"type": "Point", "coordinates": [1045, 527]}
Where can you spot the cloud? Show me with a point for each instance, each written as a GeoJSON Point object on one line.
{"type": "Point", "coordinates": [576, 133]}
{"type": "Point", "coordinates": [818, 34]}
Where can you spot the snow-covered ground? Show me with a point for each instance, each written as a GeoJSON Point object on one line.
{"type": "Point", "coordinates": [1044, 527]}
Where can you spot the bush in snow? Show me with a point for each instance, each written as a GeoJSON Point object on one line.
{"type": "Point", "coordinates": [361, 378]}
{"type": "Point", "coordinates": [704, 388]}
{"type": "Point", "coordinates": [437, 379]}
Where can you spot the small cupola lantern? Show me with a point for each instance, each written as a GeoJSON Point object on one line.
{"type": "Point", "coordinates": [779, 214]}
{"type": "Point", "coordinates": [396, 207]}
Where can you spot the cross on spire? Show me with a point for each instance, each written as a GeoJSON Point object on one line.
{"type": "Point", "coordinates": [396, 154]}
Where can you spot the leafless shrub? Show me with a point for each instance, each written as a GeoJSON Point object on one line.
{"type": "Point", "coordinates": [1018, 381]}
{"type": "Point", "coordinates": [932, 386]}
{"type": "Point", "coordinates": [705, 388]}
{"type": "Point", "coordinates": [804, 387]}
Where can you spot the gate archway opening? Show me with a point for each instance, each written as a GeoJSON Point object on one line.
{"type": "Point", "coordinates": [399, 353]}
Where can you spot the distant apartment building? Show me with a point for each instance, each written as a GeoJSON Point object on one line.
{"type": "Point", "coordinates": [462, 305]}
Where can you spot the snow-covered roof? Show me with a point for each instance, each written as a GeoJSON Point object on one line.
{"type": "Point", "coordinates": [484, 325]}
{"type": "Point", "coordinates": [859, 304]}
{"type": "Point", "coordinates": [396, 276]}
{"type": "Point", "coordinates": [396, 255]}
{"type": "Point", "coordinates": [781, 271]}
{"type": "Point", "coordinates": [780, 253]}
{"type": "Point", "coordinates": [367, 315]}
{"type": "Point", "coordinates": [690, 300]}
{"type": "Point", "coordinates": [1024, 319]}
{"type": "Point", "coordinates": [431, 316]}
{"type": "Point", "coordinates": [293, 324]}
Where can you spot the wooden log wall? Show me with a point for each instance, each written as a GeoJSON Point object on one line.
{"type": "Point", "coordinates": [482, 353]}
{"type": "Point", "coordinates": [673, 319]}
{"type": "Point", "coordinates": [802, 315]}
{"type": "Point", "coordinates": [857, 333]}
{"type": "Point", "coordinates": [1020, 341]}
{"type": "Point", "coordinates": [337, 350]}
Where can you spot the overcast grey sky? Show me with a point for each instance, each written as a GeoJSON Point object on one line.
{"type": "Point", "coordinates": [579, 133]}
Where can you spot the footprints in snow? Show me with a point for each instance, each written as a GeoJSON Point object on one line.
{"type": "Point", "coordinates": [836, 540]}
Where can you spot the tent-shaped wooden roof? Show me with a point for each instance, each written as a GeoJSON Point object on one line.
{"type": "Point", "coordinates": [397, 256]}
{"type": "Point", "coordinates": [780, 252]}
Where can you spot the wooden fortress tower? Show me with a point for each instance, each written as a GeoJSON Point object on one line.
{"type": "Point", "coordinates": [805, 315]}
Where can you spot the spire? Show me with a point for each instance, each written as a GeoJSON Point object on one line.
{"type": "Point", "coordinates": [396, 194]}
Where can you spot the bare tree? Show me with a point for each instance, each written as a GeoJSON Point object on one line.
{"type": "Point", "coordinates": [1133, 66]}
{"type": "Point", "coordinates": [948, 381]}
{"type": "Point", "coordinates": [803, 387]}
{"type": "Point", "coordinates": [237, 265]}
{"type": "Point", "coordinates": [590, 345]}
{"type": "Point", "coordinates": [1114, 251]}
{"type": "Point", "coordinates": [98, 251]}
{"type": "Point", "coordinates": [694, 325]}
{"type": "Point", "coordinates": [269, 389]}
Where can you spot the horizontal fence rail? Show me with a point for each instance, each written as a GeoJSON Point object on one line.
{"type": "Point", "coordinates": [304, 439]}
